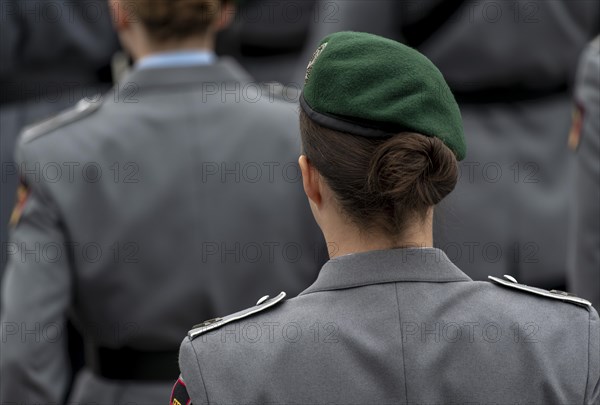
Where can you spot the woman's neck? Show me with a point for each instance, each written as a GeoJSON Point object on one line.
{"type": "Point", "coordinates": [347, 238]}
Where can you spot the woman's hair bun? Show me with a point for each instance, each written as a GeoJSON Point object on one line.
{"type": "Point", "coordinates": [413, 170]}
{"type": "Point", "coordinates": [381, 183]}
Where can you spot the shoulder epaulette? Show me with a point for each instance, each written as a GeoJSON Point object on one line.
{"type": "Point", "coordinates": [555, 294]}
{"type": "Point", "coordinates": [82, 109]}
{"type": "Point", "coordinates": [211, 324]}
{"type": "Point", "coordinates": [279, 91]}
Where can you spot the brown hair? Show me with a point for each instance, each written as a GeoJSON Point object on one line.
{"type": "Point", "coordinates": [381, 183]}
{"type": "Point", "coordinates": [175, 19]}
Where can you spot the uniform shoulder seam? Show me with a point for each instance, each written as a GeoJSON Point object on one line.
{"type": "Point", "coordinates": [587, 380]}
{"type": "Point", "coordinates": [199, 369]}
{"type": "Point", "coordinates": [592, 385]}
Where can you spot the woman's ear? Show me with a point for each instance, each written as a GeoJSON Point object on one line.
{"type": "Point", "coordinates": [227, 14]}
{"type": "Point", "coordinates": [120, 15]}
{"type": "Point", "coordinates": [310, 181]}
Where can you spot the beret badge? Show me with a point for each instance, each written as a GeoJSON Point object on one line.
{"type": "Point", "coordinates": [313, 59]}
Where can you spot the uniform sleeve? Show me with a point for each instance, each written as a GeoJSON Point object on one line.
{"type": "Point", "coordinates": [584, 276]}
{"type": "Point", "coordinates": [36, 293]}
{"type": "Point", "coordinates": [191, 374]}
{"type": "Point", "coordinates": [592, 395]}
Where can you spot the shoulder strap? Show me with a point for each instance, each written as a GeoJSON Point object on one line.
{"type": "Point", "coordinates": [82, 109]}
{"type": "Point", "coordinates": [555, 294]}
{"type": "Point", "coordinates": [211, 324]}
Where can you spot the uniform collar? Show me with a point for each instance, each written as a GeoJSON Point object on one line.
{"type": "Point", "coordinates": [224, 70]}
{"type": "Point", "coordinates": [176, 59]}
{"type": "Point", "coordinates": [387, 266]}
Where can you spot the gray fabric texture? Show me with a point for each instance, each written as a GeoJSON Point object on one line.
{"type": "Point", "coordinates": [400, 326]}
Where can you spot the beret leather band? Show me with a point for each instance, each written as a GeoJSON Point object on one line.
{"type": "Point", "coordinates": [349, 125]}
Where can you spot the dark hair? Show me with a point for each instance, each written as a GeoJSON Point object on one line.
{"type": "Point", "coordinates": [175, 19]}
{"type": "Point", "coordinates": [381, 183]}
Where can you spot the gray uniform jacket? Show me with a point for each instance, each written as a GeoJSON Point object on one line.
{"type": "Point", "coordinates": [399, 326]}
{"type": "Point", "coordinates": [177, 196]}
{"type": "Point", "coordinates": [584, 243]}
{"type": "Point", "coordinates": [510, 65]}
{"type": "Point", "coordinates": [52, 53]}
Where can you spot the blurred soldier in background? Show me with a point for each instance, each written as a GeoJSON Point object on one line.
{"type": "Point", "coordinates": [176, 197]}
{"type": "Point", "coordinates": [52, 54]}
{"type": "Point", "coordinates": [511, 66]}
{"type": "Point", "coordinates": [584, 138]}
{"type": "Point", "coordinates": [268, 37]}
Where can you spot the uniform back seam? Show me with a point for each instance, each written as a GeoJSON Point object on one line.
{"type": "Point", "coordinates": [402, 343]}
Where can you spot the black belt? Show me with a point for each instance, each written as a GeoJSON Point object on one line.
{"type": "Point", "coordinates": [131, 364]}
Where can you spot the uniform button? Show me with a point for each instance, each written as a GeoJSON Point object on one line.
{"type": "Point", "coordinates": [564, 293]}
{"type": "Point", "coordinates": [206, 323]}
{"type": "Point", "coordinates": [263, 299]}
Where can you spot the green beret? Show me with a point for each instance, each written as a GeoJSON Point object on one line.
{"type": "Point", "coordinates": [366, 85]}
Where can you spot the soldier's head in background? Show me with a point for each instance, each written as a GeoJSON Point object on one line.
{"type": "Point", "coordinates": [382, 136]}
{"type": "Point", "coordinates": [149, 26]}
